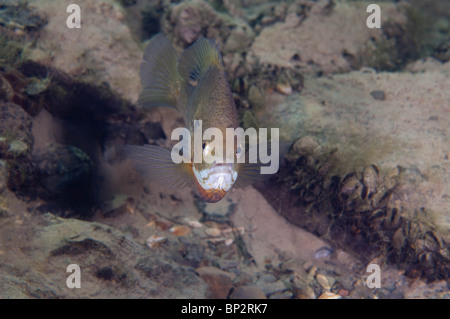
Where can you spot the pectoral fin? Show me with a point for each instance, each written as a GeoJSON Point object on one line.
{"type": "Point", "coordinates": [156, 164]}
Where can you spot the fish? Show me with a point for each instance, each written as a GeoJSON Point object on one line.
{"type": "Point", "coordinates": [195, 84]}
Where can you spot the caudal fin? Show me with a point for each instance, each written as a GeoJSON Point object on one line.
{"type": "Point", "coordinates": [159, 75]}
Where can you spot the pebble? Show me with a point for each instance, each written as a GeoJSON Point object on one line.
{"type": "Point", "coordinates": [213, 231]}
{"type": "Point", "coordinates": [219, 281]}
{"type": "Point", "coordinates": [329, 295]}
{"type": "Point", "coordinates": [193, 223]}
{"type": "Point", "coordinates": [378, 95]}
{"type": "Point", "coordinates": [242, 279]}
{"type": "Point", "coordinates": [284, 88]}
{"type": "Point", "coordinates": [180, 230]}
{"type": "Point", "coordinates": [323, 281]}
{"type": "Point", "coordinates": [247, 292]}
{"type": "Point", "coordinates": [323, 252]}
{"type": "Point", "coordinates": [155, 240]}
{"type": "Point", "coordinates": [270, 286]}
{"type": "Point", "coordinates": [281, 295]}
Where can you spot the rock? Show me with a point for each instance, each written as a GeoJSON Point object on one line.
{"type": "Point", "coordinates": [15, 131]}
{"type": "Point", "coordinates": [243, 279]}
{"type": "Point", "coordinates": [240, 38]}
{"type": "Point", "coordinates": [269, 285]}
{"type": "Point", "coordinates": [306, 145]}
{"type": "Point", "coordinates": [318, 42]}
{"type": "Point", "coordinates": [112, 265]}
{"type": "Point", "coordinates": [247, 292]}
{"type": "Point", "coordinates": [189, 20]}
{"type": "Point", "coordinates": [281, 295]}
{"type": "Point", "coordinates": [219, 281]}
{"type": "Point", "coordinates": [65, 173]}
{"type": "Point", "coordinates": [106, 50]}
{"type": "Point", "coordinates": [387, 161]}
{"type": "Point", "coordinates": [119, 204]}
{"type": "Point", "coordinates": [20, 16]}
{"type": "Point", "coordinates": [378, 95]}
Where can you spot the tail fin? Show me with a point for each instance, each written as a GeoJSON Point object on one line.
{"type": "Point", "coordinates": [159, 76]}
{"type": "Point", "coordinates": [195, 60]}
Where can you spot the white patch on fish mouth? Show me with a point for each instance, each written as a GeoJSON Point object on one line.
{"type": "Point", "coordinates": [219, 176]}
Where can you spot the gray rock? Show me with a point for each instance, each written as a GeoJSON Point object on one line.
{"type": "Point", "coordinates": [219, 281]}
{"type": "Point", "coordinates": [62, 168]}
{"type": "Point", "coordinates": [15, 130]}
{"type": "Point", "coordinates": [378, 95]}
{"type": "Point", "coordinates": [112, 265]}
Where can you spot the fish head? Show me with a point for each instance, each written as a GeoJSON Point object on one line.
{"type": "Point", "coordinates": [213, 179]}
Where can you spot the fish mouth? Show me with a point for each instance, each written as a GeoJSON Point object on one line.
{"type": "Point", "coordinates": [219, 168]}
{"type": "Point", "coordinates": [220, 176]}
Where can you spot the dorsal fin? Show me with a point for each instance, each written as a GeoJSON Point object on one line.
{"type": "Point", "coordinates": [195, 60]}
{"type": "Point", "coordinates": [159, 77]}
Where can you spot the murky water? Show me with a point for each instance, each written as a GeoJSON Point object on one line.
{"type": "Point", "coordinates": [359, 91]}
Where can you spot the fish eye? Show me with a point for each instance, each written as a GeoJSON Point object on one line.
{"type": "Point", "coordinates": [204, 145]}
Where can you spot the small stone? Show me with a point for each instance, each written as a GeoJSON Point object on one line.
{"type": "Point", "coordinates": [323, 252]}
{"type": "Point", "coordinates": [281, 295]}
{"type": "Point", "coordinates": [118, 204]}
{"type": "Point", "coordinates": [247, 292]}
{"type": "Point", "coordinates": [270, 286]}
{"type": "Point", "coordinates": [304, 292]}
{"type": "Point", "coordinates": [18, 148]}
{"type": "Point", "coordinates": [343, 292]}
{"type": "Point", "coordinates": [212, 231]}
{"type": "Point", "coordinates": [193, 223]}
{"type": "Point", "coordinates": [219, 281]}
{"type": "Point", "coordinates": [323, 281]}
{"type": "Point", "coordinates": [284, 88]}
{"type": "Point", "coordinates": [329, 295]}
{"type": "Point", "coordinates": [155, 240]}
{"type": "Point", "coordinates": [63, 168]}
{"type": "Point", "coordinates": [15, 128]}
{"type": "Point", "coordinates": [242, 279]}
{"type": "Point", "coordinates": [180, 230]}
{"type": "Point", "coordinates": [378, 95]}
